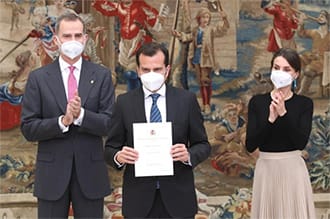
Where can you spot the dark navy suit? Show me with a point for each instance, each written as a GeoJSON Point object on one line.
{"type": "Point", "coordinates": [177, 191]}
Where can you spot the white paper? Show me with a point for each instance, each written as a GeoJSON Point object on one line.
{"type": "Point", "coordinates": [153, 141]}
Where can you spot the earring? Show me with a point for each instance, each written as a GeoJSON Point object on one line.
{"type": "Point", "coordinates": [294, 83]}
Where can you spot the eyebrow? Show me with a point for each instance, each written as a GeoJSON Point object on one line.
{"type": "Point", "coordinates": [70, 34]}
{"type": "Point", "coordinates": [285, 67]}
{"type": "Point", "coordinates": [154, 69]}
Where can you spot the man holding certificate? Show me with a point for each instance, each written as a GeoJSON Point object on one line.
{"type": "Point", "coordinates": [158, 138]}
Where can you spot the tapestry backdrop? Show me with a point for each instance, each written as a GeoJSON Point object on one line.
{"type": "Point", "coordinates": [244, 35]}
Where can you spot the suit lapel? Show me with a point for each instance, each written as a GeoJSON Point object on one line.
{"type": "Point", "coordinates": [170, 104]}
{"type": "Point", "coordinates": [55, 84]}
{"type": "Point", "coordinates": [86, 82]}
{"type": "Point", "coordinates": [138, 105]}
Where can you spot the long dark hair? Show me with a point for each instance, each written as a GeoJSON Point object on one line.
{"type": "Point", "coordinates": [291, 56]}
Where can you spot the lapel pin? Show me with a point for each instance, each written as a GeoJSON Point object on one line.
{"type": "Point", "coordinates": [92, 81]}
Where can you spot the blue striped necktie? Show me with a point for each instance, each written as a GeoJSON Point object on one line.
{"type": "Point", "coordinates": [155, 117]}
{"type": "Point", "coordinates": [155, 113]}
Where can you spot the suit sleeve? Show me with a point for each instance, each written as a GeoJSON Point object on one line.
{"type": "Point", "coordinates": [116, 135]}
{"type": "Point", "coordinates": [199, 147]}
{"type": "Point", "coordinates": [33, 126]}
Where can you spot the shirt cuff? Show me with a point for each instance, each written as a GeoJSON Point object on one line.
{"type": "Point", "coordinates": [80, 118]}
{"type": "Point", "coordinates": [62, 127]}
{"type": "Point", "coordinates": [188, 162]}
{"type": "Point", "coordinates": [116, 162]}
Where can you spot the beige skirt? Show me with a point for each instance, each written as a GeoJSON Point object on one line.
{"type": "Point", "coordinates": [281, 187]}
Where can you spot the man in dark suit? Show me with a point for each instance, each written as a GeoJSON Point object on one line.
{"type": "Point", "coordinates": [158, 196]}
{"type": "Point", "coordinates": [67, 108]}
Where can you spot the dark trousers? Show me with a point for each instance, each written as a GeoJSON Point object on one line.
{"type": "Point", "coordinates": [158, 209]}
{"type": "Point", "coordinates": [82, 206]}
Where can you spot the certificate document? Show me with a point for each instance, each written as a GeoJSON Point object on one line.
{"type": "Point", "coordinates": [153, 141]}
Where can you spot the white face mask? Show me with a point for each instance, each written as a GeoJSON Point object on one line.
{"type": "Point", "coordinates": [72, 49]}
{"type": "Point", "coordinates": [280, 78]}
{"type": "Point", "coordinates": [152, 81]}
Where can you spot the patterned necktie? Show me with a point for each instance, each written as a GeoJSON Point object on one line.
{"type": "Point", "coordinates": [155, 113]}
{"type": "Point", "coordinates": [72, 83]}
{"type": "Point", "coordinates": [155, 117]}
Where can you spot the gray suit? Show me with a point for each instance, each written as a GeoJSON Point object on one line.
{"type": "Point", "coordinates": [82, 146]}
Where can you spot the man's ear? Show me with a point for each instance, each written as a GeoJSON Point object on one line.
{"type": "Point", "coordinates": [138, 71]}
{"type": "Point", "coordinates": [85, 37]}
{"type": "Point", "coordinates": [168, 70]}
{"type": "Point", "coordinates": [56, 40]}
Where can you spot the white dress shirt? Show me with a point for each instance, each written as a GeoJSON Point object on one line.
{"type": "Point", "coordinates": [161, 102]}
{"type": "Point", "coordinates": [65, 71]}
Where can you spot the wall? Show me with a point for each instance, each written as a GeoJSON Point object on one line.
{"type": "Point", "coordinates": [243, 64]}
